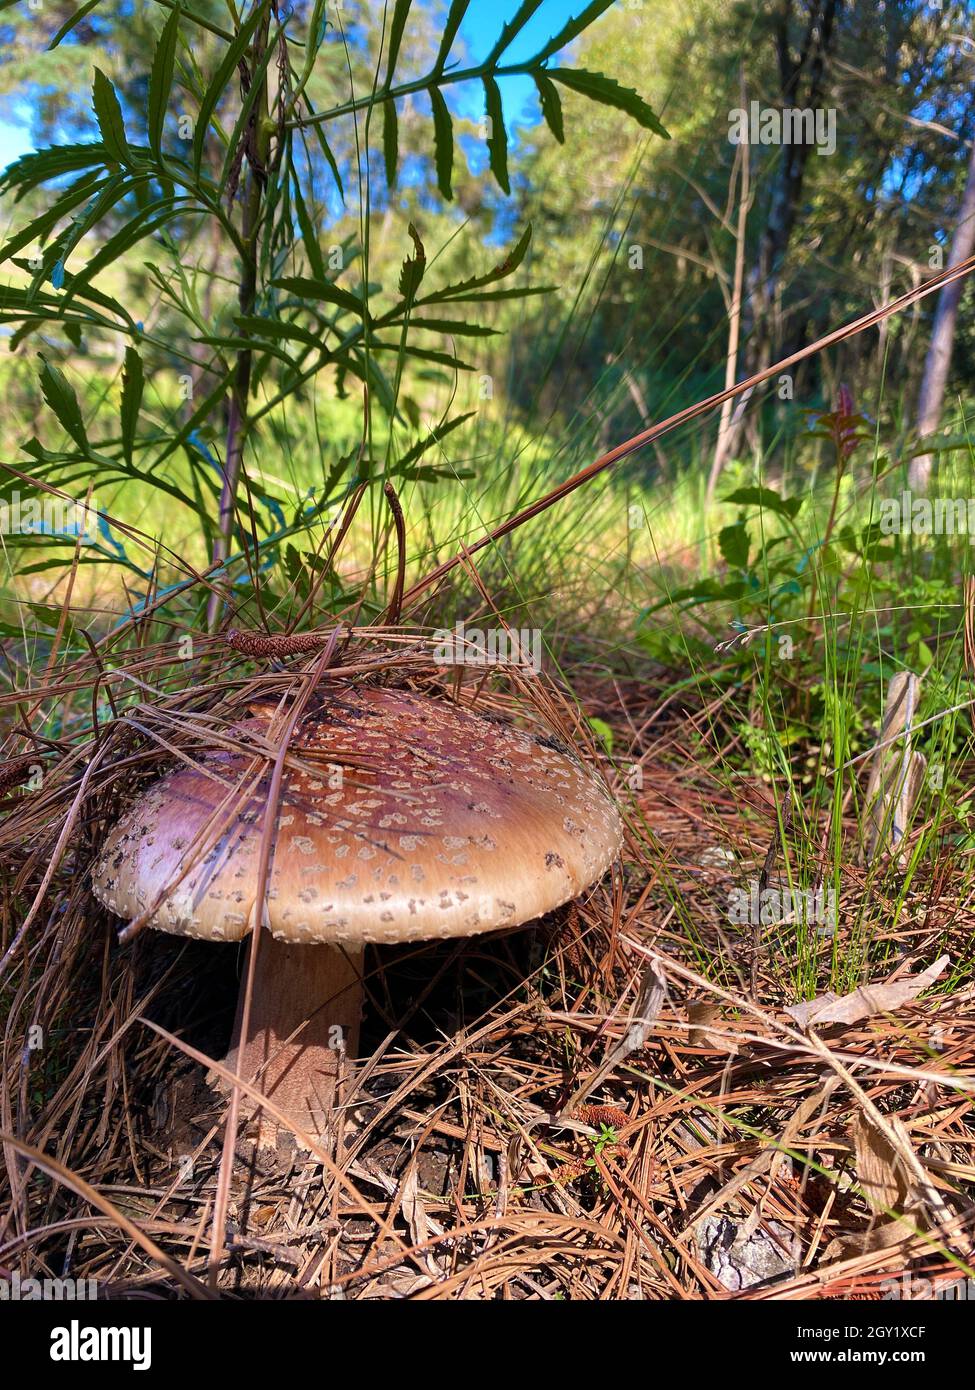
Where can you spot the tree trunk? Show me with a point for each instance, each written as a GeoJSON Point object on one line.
{"type": "Point", "coordinates": [725, 433]}
{"type": "Point", "coordinates": [763, 279]}
{"type": "Point", "coordinates": [937, 364]}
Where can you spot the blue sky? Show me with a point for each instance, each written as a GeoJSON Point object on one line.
{"type": "Point", "coordinates": [14, 141]}
{"type": "Point", "coordinates": [480, 28]}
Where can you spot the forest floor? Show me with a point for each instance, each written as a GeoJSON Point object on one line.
{"type": "Point", "coordinates": [613, 1103]}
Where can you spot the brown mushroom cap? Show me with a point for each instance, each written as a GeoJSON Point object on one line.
{"type": "Point", "coordinates": [442, 823]}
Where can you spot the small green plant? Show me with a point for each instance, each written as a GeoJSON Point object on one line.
{"type": "Point", "coordinates": [232, 149]}
{"type": "Point", "coordinates": [606, 1139]}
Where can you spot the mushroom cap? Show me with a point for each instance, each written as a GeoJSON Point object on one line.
{"type": "Point", "coordinates": [401, 817]}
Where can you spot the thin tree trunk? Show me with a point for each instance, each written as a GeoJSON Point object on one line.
{"type": "Point", "coordinates": [937, 364]}
{"type": "Point", "coordinates": [764, 277]}
{"type": "Point", "coordinates": [787, 190]}
{"type": "Point", "coordinates": [722, 448]}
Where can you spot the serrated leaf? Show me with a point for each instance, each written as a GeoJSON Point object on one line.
{"type": "Point", "coordinates": [414, 268]}
{"type": "Point", "coordinates": [161, 79]}
{"type": "Point", "coordinates": [441, 359]}
{"type": "Point", "coordinates": [455, 16]}
{"type": "Point", "coordinates": [309, 238]}
{"type": "Point", "coordinates": [497, 141]}
{"type": "Point", "coordinates": [60, 396]}
{"type": "Point", "coordinates": [88, 294]}
{"type": "Point", "coordinates": [390, 142]}
{"type": "Point", "coordinates": [278, 328]}
{"type": "Point", "coordinates": [573, 29]}
{"type": "Point", "coordinates": [512, 29]}
{"type": "Point", "coordinates": [53, 162]}
{"type": "Point", "coordinates": [422, 445]}
{"type": "Point", "coordinates": [329, 158]}
{"type": "Point", "coordinates": [37, 230]}
{"type": "Point", "coordinates": [461, 328]}
{"type": "Point", "coordinates": [551, 103]}
{"type": "Point", "coordinates": [504, 268]}
{"type": "Point", "coordinates": [110, 193]}
{"type": "Point", "coordinates": [489, 296]}
{"type": "Point", "coordinates": [443, 142]}
{"type": "Point", "coordinates": [109, 115]}
{"type": "Point", "coordinates": [396, 29]}
{"type": "Point", "coordinates": [72, 22]}
{"type": "Point", "coordinates": [23, 299]}
{"type": "Point", "coordinates": [324, 290]}
{"type": "Point", "coordinates": [133, 382]}
{"type": "Point", "coordinates": [608, 92]}
{"type": "Point", "coordinates": [233, 344]}
{"type": "Point", "coordinates": [146, 221]}
{"type": "Point", "coordinates": [221, 80]}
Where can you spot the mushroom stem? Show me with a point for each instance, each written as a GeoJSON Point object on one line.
{"type": "Point", "coordinates": [304, 1024]}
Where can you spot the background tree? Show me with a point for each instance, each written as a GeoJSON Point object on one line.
{"type": "Point", "coordinates": [937, 363]}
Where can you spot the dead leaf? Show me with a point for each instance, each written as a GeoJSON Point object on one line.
{"type": "Point", "coordinates": [649, 1001]}
{"type": "Point", "coordinates": [415, 1215]}
{"type": "Point", "coordinates": [413, 1209]}
{"type": "Point", "coordinates": [880, 1237]}
{"type": "Point", "coordinates": [701, 1015]}
{"type": "Point", "coordinates": [881, 1171]}
{"type": "Point", "coordinates": [881, 998]}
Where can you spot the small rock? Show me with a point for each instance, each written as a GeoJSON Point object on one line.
{"type": "Point", "coordinates": [740, 1260]}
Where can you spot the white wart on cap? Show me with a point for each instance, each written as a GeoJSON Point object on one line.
{"type": "Point", "coordinates": [408, 818]}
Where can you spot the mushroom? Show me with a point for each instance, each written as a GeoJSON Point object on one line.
{"type": "Point", "coordinates": [402, 817]}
